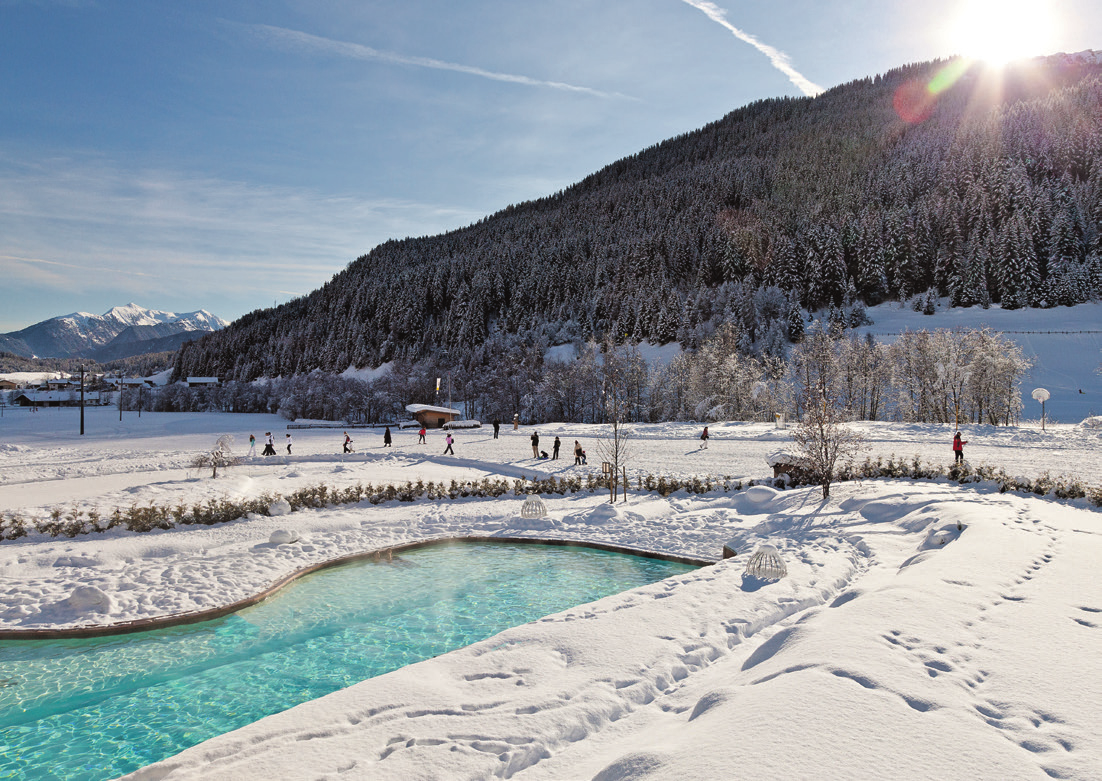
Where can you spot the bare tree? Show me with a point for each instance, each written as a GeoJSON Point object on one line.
{"type": "Point", "coordinates": [822, 436]}
{"type": "Point", "coordinates": [623, 376]}
{"type": "Point", "coordinates": [221, 455]}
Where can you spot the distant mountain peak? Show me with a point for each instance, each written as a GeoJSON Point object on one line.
{"type": "Point", "coordinates": [79, 334]}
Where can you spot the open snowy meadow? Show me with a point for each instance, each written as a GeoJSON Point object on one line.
{"type": "Point", "coordinates": [923, 630]}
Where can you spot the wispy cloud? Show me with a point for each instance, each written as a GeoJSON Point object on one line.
{"type": "Point", "coordinates": [778, 58]}
{"type": "Point", "coordinates": [297, 41]}
{"type": "Point", "coordinates": [70, 224]}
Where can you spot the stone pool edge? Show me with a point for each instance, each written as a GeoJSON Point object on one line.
{"type": "Point", "coordinates": [194, 617]}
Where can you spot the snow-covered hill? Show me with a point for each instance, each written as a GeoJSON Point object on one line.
{"type": "Point", "coordinates": [80, 333]}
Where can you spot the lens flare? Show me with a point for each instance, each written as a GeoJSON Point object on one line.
{"type": "Point", "coordinates": [915, 100]}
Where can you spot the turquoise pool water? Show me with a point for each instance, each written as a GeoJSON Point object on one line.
{"type": "Point", "coordinates": [96, 708]}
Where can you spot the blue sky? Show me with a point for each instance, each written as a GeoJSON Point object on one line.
{"type": "Point", "coordinates": [226, 155]}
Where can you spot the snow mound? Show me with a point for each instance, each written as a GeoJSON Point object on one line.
{"type": "Point", "coordinates": [534, 524]}
{"type": "Point", "coordinates": [463, 424]}
{"type": "Point", "coordinates": [761, 494]}
{"type": "Point", "coordinates": [601, 515]}
{"type": "Point", "coordinates": [283, 537]}
{"type": "Point", "coordinates": [87, 599]}
{"type": "Point", "coordinates": [76, 561]}
{"type": "Point", "coordinates": [941, 536]}
{"type": "Point", "coordinates": [1094, 421]}
{"type": "Point", "coordinates": [279, 507]}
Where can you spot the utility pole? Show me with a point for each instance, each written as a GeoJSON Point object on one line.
{"type": "Point", "coordinates": [82, 401]}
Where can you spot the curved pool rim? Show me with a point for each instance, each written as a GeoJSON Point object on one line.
{"type": "Point", "coordinates": [194, 617]}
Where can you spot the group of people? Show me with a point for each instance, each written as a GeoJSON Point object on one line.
{"type": "Point", "coordinates": [388, 440]}
{"type": "Point", "coordinates": [449, 440]}
{"type": "Point", "coordinates": [269, 445]}
{"type": "Point", "coordinates": [542, 454]}
{"type": "Point", "coordinates": [579, 453]}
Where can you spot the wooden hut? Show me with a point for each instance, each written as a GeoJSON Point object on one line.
{"type": "Point", "coordinates": [430, 416]}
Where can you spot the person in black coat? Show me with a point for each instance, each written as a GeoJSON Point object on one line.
{"type": "Point", "coordinates": [386, 437]}
{"type": "Point", "coordinates": [535, 444]}
{"type": "Point", "coordinates": [555, 449]}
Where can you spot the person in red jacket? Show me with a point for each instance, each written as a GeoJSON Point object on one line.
{"type": "Point", "coordinates": [958, 448]}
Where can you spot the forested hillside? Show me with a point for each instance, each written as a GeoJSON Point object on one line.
{"type": "Point", "coordinates": [990, 190]}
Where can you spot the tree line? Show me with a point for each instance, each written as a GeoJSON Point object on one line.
{"type": "Point", "coordinates": [941, 376]}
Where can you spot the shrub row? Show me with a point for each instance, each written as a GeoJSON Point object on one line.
{"type": "Point", "coordinates": [144, 518]}
{"type": "Point", "coordinates": [76, 521]}
{"type": "Point", "coordinates": [1062, 487]}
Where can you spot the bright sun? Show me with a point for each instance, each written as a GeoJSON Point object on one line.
{"type": "Point", "coordinates": [997, 31]}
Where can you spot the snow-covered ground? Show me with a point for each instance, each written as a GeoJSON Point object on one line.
{"type": "Point", "coordinates": [897, 646]}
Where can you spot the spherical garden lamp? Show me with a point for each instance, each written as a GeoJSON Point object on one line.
{"type": "Point", "coordinates": [1041, 395]}
{"type": "Point", "coordinates": [766, 564]}
{"type": "Point", "coordinates": [533, 507]}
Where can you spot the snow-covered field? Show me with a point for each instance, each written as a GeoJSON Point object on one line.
{"type": "Point", "coordinates": [897, 646]}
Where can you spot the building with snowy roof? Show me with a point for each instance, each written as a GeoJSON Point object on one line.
{"type": "Point", "coordinates": [56, 399]}
{"type": "Point", "coordinates": [430, 416]}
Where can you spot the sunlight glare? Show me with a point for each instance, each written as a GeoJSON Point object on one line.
{"type": "Point", "coordinates": [998, 31]}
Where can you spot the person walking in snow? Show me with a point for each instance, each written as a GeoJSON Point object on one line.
{"type": "Point", "coordinates": [958, 449]}
{"type": "Point", "coordinates": [421, 436]}
{"type": "Point", "coordinates": [555, 449]}
{"type": "Point", "coordinates": [386, 437]}
{"type": "Point", "coordinates": [269, 444]}
{"type": "Point", "coordinates": [497, 425]}
{"type": "Point", "coordinates": [252, 445]}
{"type": "Point", "coordinates": [289, 440]}
{"type": "Point", "coordinates": [448, 449]}
{"type": "Point", "coordinates": [704, 439]}
{"type": "Point", "coordinates": [577, 453]}
{"type": "Point", "coordinates": [347, 443]}
{"type": "Point", "coordinates": [535, 444]}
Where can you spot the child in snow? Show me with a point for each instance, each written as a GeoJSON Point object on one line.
{"type": "Point", "coordinates": [386, 437]}
{"type": "Point", "coordinates": [269, 444]}
{"type": "Point", "coordinates": [448, 449]}
{"type": "Point", "coordinates": [289, 440]}
{"type": "Point", "coordinates": [958, 449]}
{"type": "Point", "coordinates": [421, 436]}
{"type": "Point", "coordinates": [577, 453]}
{"type": "Point", "coordinates": [704, 439]}
{"type": "Point", "coordinates": [252, 445]}
{"type": "Point", "coordinates": [543, 455]}
{"type": "Point", "coordinates": [347, 443]}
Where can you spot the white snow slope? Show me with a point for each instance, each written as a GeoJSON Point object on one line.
{"type": "Point", "coordinates": [898, 646]}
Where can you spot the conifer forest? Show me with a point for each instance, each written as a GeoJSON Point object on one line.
{"type": "Point", "coordinates": [934, 182]}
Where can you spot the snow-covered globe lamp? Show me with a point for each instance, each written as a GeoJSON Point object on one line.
{"type": "Point", "coordinates": [766, 564]}
{"type": "Point", "coordinates": [533, 507]}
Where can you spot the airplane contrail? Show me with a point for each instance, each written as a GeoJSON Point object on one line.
{"type": "Point", "coordinates": [295, 39]}
{"type": "Point", "coordinates": [778, 58]}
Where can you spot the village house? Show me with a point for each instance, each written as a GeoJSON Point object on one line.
{"type": "Point", "coordinates": [432, 417]}
{"type": "Point", "coordinates": [66, 398]}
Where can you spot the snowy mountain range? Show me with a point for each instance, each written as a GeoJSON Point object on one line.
{"type": "Point", "coordinates": [120, 332]}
